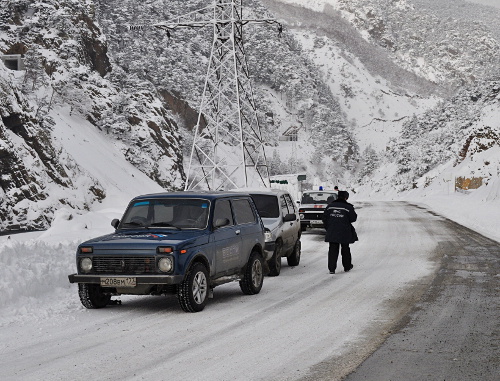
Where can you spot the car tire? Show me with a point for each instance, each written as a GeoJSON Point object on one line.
{"type": "Point", "coordinates": [275, 262]}
{"type": "Point", "coordinates": [253, 278]}
{"type": "Point", "coordinates": [192, 293]}
{"type": "Point", "coordinates": [92, 297]}
{"type": "Point", "coordinates": [294, 258]}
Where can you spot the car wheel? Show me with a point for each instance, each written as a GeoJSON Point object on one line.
{"type": "Point", "coordinates": [275, 261]}
{"type": "Point", "coordinates": [253, 278]}
{"type": "Point", "coordinates": [91, 296]}
{"type": "Point", "coordinates": [192, 293]}
{"type": "Point", "coordinates": [294, 258]}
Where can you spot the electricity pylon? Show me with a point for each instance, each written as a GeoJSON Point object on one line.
{"type": "Point", "coordinates": [228, 150]}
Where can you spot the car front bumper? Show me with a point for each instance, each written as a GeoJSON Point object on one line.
{"type": "Point", "coordinates": [140, 279]}
{"type": "Point", "coordinates": [269, 249]}
{"type": "Point", "coordinates": [312, 223]}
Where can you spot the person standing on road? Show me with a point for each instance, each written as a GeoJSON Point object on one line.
{"type": "Point", "coordinates": [338, 218]}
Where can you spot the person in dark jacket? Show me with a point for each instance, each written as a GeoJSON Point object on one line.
{"type": "Point", "coordinates": [338, 218]}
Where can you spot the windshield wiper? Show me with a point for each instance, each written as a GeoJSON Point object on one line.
{"type": "Point", "coordinates": [165, 224]}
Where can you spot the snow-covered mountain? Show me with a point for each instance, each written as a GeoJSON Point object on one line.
{"type": "Point", "coordinates": [417, 80]}
{"type": "Point", "coordinates": [68, 80]}
{"type": "Point", "coordinates": [385, 96]}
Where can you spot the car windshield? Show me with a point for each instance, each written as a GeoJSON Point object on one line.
{"type": "Point", "coordinates": [318, 197]}
{"type": "Point", "coordinates": [267, 205]}
{"type": "Point", "coordinates": [171, 213]}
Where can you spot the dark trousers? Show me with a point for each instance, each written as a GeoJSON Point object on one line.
{"type": "Point", "coordinates": [333, 255]}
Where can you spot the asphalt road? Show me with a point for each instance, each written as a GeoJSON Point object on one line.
{"type": "Point", "coordinates": [452, 331]}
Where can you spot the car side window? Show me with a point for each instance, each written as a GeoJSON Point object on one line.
{"type": "Point", "coordinates": [284, 207]}
{"type": "Point", "coordinates": [223, 210]}
{"type": "Point", "coordinates": [291, 205]}
{"type": "Point", "coordinates": [243, 211]}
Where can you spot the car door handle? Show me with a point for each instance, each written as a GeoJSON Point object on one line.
{"type": "Point", "coordinates": [238, 232]}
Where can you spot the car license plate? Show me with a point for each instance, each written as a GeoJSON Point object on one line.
{"type": "Point", "coordinates": [118, 282]}
{"type": "Point", "coordinates": [316, 222]}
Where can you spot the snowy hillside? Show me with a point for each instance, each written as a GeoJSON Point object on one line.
{"type": "Point", "coordinates": [377, 108]}
{"type": "Point", "coordinates": [69, 82]}
{"type": "Point", "coordinates": [405, 127]}
{"type": "Point", "coordinates": [462, 49]}
{"type": "Point", "coordinates": [288, 86]}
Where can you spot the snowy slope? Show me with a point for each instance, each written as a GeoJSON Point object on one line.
{"type": "Point", "coordinates": [67, 67]}
{"type": "Point", "coordinates": [101, 156]}
{"type": "Point", "coordinates": [490, 3]}
{"type": "Point", "coordinates": [375, 110]}
{"type": "Point", "coordinates": [463, 47]}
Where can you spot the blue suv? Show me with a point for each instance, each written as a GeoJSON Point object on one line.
{"type": "Point", "coordinates": [184, 243]}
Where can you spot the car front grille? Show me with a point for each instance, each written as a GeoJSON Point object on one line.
{"type": "Point", "coordinates": [124, 265]}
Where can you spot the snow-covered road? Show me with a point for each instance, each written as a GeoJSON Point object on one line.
{"type": "Point", "coordinates": [299, 319]}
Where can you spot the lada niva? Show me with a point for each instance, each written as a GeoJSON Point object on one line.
{"type": "Point", "coordinates": [185, 243]}
{"type": "Point", "coordinates": [312, 206]}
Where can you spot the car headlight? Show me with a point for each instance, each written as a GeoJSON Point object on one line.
{"type": "Point", "coordinates": [86, 264]}
{"type": "Point", "coordinates": [166, 264]}
{"type": "Point", "coordinates": [301, 216]}
{"type": "Point", "coordinates": [268, 236]}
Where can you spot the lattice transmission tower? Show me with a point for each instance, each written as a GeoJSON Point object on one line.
{"type": "Point", "coordinates": [228, 150]}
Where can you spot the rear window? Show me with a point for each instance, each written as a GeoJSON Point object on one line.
{"type": "Point", "coordinates": [267, 205]}
{"type": "Point", "coordinates": [318, 197]}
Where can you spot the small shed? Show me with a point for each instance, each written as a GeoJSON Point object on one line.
{"type": "Point", "coordinates": [291, 134]}
{"type": "Point", "coordinates": [13, 61]}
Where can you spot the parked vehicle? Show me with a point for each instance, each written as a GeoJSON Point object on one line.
{"type": "Point", "coordinates": [312, 206]}
{"type": "Point", "coordinates": [184, 243]}
{"type": "Point", "coordinates": [282, 225]}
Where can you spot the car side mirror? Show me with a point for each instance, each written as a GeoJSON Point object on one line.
{"type": "Point", "coordinates": [220, 222]}
{"type": "Point", "coordinates": [115, 222]}
{"type": "Point", "coordinates": [290, 217]}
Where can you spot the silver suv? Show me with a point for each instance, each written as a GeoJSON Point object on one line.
{"type": "Point", "coordinates": [282, 226]}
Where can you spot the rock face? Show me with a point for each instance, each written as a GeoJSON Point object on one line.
{"type": "Point", "coordinates": [30, 168]}
{"type": "Point", "coordinates": [68, 67]}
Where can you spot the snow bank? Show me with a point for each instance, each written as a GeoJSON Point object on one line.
{"type": "Point", "coordinates": [31, 272]}
{"type": "Point", "coordinates": [477, 209]}
{"type": "Point", "coordinates": [34, 267]}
